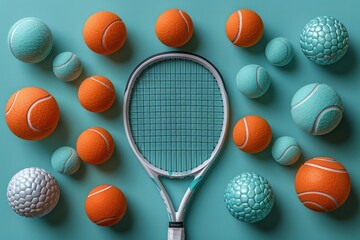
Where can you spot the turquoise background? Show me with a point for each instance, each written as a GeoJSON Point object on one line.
{"type": "Point", "coordinates": [207, 218]}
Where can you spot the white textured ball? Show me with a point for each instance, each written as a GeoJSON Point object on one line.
{"type": "Point", "coordinates": [33, 192]}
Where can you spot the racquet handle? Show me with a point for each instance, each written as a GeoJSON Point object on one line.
{"type": "Point", "coordinates": [176, 231]}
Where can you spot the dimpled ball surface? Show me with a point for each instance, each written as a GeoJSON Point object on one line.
{"type": "Point", "coordinates": [33, 192]}
{"type": "Point", "coordinates": [324, 40]}
{"type": "Point", "coordinates": [249, 197]}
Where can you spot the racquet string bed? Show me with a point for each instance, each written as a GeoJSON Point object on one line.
{"type": "Point", "coordinates": [176, 114]}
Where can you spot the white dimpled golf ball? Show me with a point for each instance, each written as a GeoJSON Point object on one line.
{"type": "Point", "coordinates": [33, 192]}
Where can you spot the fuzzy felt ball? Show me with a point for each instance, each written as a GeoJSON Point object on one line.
{"type": "Point", "coordinates": [105, 205]}
{"type": "Point", "coordinates": [95, 145]}
{"type": "Point", "coordinates": [253, 81]}
{"type": "Point", "coordinates": [249, 197]}
{"type": "Point", "coordinates": [96, 94]}
{"type": "Point", "coordinates": [67, 66]}
{"type": "Point", "coordinates": [174, 28]}
{"type": "Point", "coordinates": [65, 160]}
{"type": "Point", "coordinates": [30, 40]}
{"type": "Point", "coordinates": [252, 134]}
{"type": "Point", "coordinates": [279, 52]}
{"type": "Point", "coordinates": [244, 28]}
{"type": "Point", "coordinates": [322, 184]}
{"type": "Point", "coordinates": [286, 150]}
{"type": "Point", "coordinates": [32, 113]}
{"type": "Point", "coordinates": [317, 108]}
{"type": "Point", "coordinates": [104, 33]}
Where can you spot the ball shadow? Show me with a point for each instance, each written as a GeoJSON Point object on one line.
{"type": "Point", "coordinates": [349, 209]}
{"type": "Point", "coordinates": [341, 134]}
{"type": "Point", "coordinates": [259, 47]}
{"type": "Point", "coordinates": [113, 163]}
{"type": "Point", "coordinates": [59, 214]}
{"type": "Point", "coordinates": [126, 223]}
{"type": "Point", "coordinates": [46, 64]}
{"type": "Point", "coordinates": [271, 221]}
{"type": "Point", "coordinates": [268, 97]}
{"type": "Point", "coordinates": [115, 111]}
{"type": "Point", "coordinates": [192, 45]}
{"type": "Point", "coordinates": [125, 53]}
{"type": "Point", "coordinates": [291, 66]}
{"type": "Point", "coordinates": [345, 65]}
{"type": "Point", "coordinates": [81, 173]}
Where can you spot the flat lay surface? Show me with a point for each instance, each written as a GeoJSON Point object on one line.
{"type": "Point", "coordinates": [207, 216]}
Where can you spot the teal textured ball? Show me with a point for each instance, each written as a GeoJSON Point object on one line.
{"type": "Point", "coordinates": [65, 160]}
{"type": "Point", "coordinates": [324, 40]}
{"type": "Point", "coordinates": [279, 52]}
{"type": "Point", "coordinates": [30, 40]}
{"type": "Point", "coordinates": [249, 197]}
{"type": "Point", "coordinates": [253, 81]}
{"type": "Point", "coordinates": [67, 66]}
{"type": "Point", "coordinates": [317, 108]}
{"type": "Point", "coordinates": [286, 150]}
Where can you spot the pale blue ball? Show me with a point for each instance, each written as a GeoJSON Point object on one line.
{"type": "Point", "coordinates": [317, 108]}
{"type": "Point", "coordinates": [65, 160]}
{"type": "Point", "coordinates": [249, 197]}
{"type": "Point", "coordinates": [286, 150]}
{"type": "Point", "coordinates": [30, 40]}
{"type": "Point", "coordinates": [253, 81]}
{"type": "Point", "coordinates": [67, 66]}
{"type": "Point", "coordinates": [279, 52]}
{"type": "Point", "coordinates": [324, 40]}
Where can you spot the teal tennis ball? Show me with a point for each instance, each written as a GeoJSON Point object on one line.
{"type": "Point", "coordinates": [286, 150]}
{"type": "Point", "coordinates": [253, 81]}
{"type": "Point", "coordinates": [65, 160]}
{"type": "Point", "coordinates": [317, 108]}
{"type": "Point", "coordinates": [279, 52]}
{"type": "Point", "coordinates": [30, 40]}
{"type": "Point", "coordinates": [249, 197]}
{"type": "Point", "coordinates": [67, 66]}
{"type": "Point", "coordinates": [324, 40]}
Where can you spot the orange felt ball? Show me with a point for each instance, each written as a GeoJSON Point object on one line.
{"type": "Point", "coordinates": [105, 205]}
{"type": "Point", "coordinates": [96, 94]}
{"type": "Point", "coordinates": [174, 28]}
{"type": "Point", "coordinates": [322, 184]}
{"type": "Point", "coordinates": [104, 32]}
{"type": "Point", "coordinates": [252, 134]}
{"type": "Point", "coordinates": [95, 145]}
{"type": "Point", "coordinates": [32, 113]}
{"type": "Point", "coordinates": [244, 28]}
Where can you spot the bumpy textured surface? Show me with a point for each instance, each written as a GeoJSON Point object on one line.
{"type": "Point", "coordinates": [324, 40]}
{"type": "Point", "coordinates": [33, 192]}
{"type": "Point", "coordinates": [65, 160]}
{"type": "Point", "coordinates": [30, 40]}
{"type": "Point", "coordinates": [286, 150]}
{"type": "Point", "coordinates": [317, 108]}
{"type": "Point", "coordinates": [67, 66]}
{"type": "Point", "coordinates": [253, 81]}
{"type": "Point", "coordinates": [249, 197]}
{"type": "Point", "coordinates": [279, 52]}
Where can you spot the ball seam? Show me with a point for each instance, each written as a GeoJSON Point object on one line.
{"type": "Point", "coordinates": [68, 159]}
{"type": "Point", "coordinates": [29, 112]}
{"type": "Point", "coordinates": [104, 35]}
{"type": "Point", "coordinates": [103, 137]}
{"type": "Point", "coordinates": [237, 37]}
{"type": "Point", "coordinates": [307, 97]}
{"type": "Point", "coordinates": [13, 103]}
{"type": "Point", "coordinates": [257, 78]}
{"type": "Point", "coordinates": [285, 152]}
{"type": "Point", "coordinates": [13, 32]}
{"type": "Point", "coordinates": [66, 63]}
{"type": "Point", "coordinates": [186, 22]}
{"type": "Point", "coordinates": [100, 191]}
{"type": "Point", "coordinates": [104, 84]}
{"type": "Point", "coordinates": [316, 204]}
{"type": "Point", "coordinates": [246, 135]}
{"type": "Point", "coordinates": [325, 110]}
{"type": "Point", "coordinates": [326, 168]}
{"type": "Point", "coordinates": [322, 194]}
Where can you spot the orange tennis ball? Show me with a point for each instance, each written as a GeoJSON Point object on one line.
{"type": "Point", "coordinates": [96, 94]}
{"type": "Point", "coordinates": [174, 28]}
{"type": "Point", "coordinates": [244, 28]}
{"type": "Point", "coordinates": [32, 113]}
{"type": "Point", "coordinates": [104, 33]}
{"type": "Point", "coordinates": [252, 134]}
{"type": "Point", "coordinates": [105, 205]}
{"type": "Point", "coordinates": [95, 145]}
{"type": "Point", "coordinates": [322, 184]}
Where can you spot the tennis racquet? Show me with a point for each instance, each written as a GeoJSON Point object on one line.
{"type": "Point", "coordinates": [176, 117]}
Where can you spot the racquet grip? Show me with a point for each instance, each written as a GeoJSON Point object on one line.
{"type": "Point", "coordinates": [176, 231]}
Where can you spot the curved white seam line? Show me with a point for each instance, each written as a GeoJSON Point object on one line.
{"type": "Point", "coordinates": [103, 137]}
{"type": "Point", "coordinates": [240, 27]}
{"type": "Point", "coordinates": [67, 62]}
{"type": "Point", "coordinates": [287, 51]}
{"type": "Point", "coordinates": [96, 80]}
{"type": "Point", "coordinates": [68, 159]}
{"type": "Point", "coordinates": [105, 32]}
{"type": "Point", "coordinates": [323, 159]}
{"type": "Point", "coordinates": [286, 151]}
{"type": "Point", "coordinates": [246, 135]}
{"type": "Point", "coordinates": [100, 191]}
{"type": "Point", "coordinates": [257, 77]}
{"type": "Point", "coordinates": [13, 32]}
{"type": "Point", "coordinates": [322, 113]}
{"type": "Point", "coordinates": [106, 219]}
{"type": "Point", "coordinates": [307, 97]}
{"type": "Point", "coordinates": [325, 168]}
{"type": "Point", "coordinates": [316, 204]}
{"type": "Point", "coordinates": [13, 103]}
{"type": "Point", "coordinates": [187, 24]}
{"type": "Point", "coordinates": [29, 111]}
{"type": "Point", "coordinates": [322, 194]}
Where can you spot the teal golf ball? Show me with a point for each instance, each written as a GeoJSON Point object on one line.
{"type": "Point", "coordinates": [249, 197]}
{"type": "Point", "coordinates": [324, 40]}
